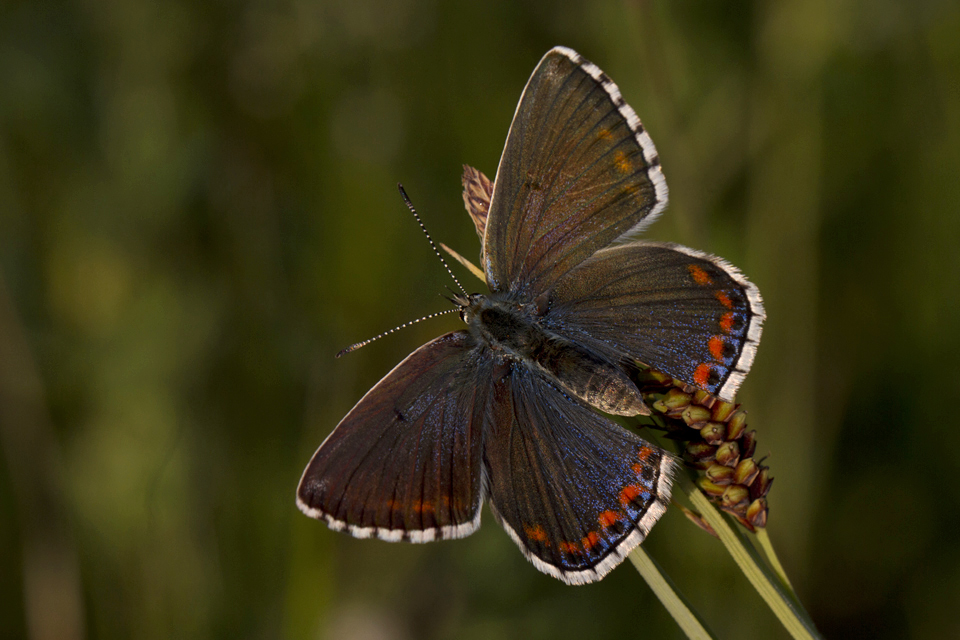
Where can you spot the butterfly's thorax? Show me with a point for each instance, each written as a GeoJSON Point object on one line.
{"type": "Point", "coordinates": [514, 330]}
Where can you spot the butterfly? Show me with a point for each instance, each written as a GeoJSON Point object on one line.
{"type": "Point", "coordinates": [510, 410]}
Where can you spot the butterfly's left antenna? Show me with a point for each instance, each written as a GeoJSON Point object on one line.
{"type": "Point", "coordinates": [356, 346]}
{"type": "Point", "coordinates": [406, 200]}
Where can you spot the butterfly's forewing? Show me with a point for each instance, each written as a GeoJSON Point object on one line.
{"type": "Point", "coordinates": [683, 312]}
{"type": "Point", "coordinates": [577, 172]}
{"type": "Point", "coordinates": [405, 463]}
{"type": "Point", "coordinates": [575, 491]}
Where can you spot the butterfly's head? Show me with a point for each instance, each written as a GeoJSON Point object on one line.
{"type": "Point", "coordinates": [469, 304]}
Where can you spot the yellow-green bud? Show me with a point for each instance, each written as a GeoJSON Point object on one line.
{"type": "Point", "coordinates": [710, 488]}
{"type": "Point", "coordinates": [736, 425]}
{"type": "Point", "coordinates": [694, 414]}
{"type": "Point", "coordinates": [713, 432]}
{"type": "Point", "coordinates": [719, 474]}
{"type": "Point", "coordinates": [723, 410]}
{"type": "Point", "coordinates": [728, 454]}
{"type": "Point", "coordinates": [735, 496]}
{"type": "Point", "coordinates": [757, 513]}
{"type": "Point", "coordinates": [746, 472]}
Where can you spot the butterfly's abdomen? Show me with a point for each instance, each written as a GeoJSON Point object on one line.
{"type": "Point", "coordinates": [589, 377]}
{"type": "Point", "coordinates": [511, 329]}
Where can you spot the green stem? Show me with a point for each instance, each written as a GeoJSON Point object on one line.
{"type": "Point", "coordinates": [785, 606]}
{"type": "Point", "coordinates": [664, 589]}
{"type": "Point", "coordinates": [764, 539]}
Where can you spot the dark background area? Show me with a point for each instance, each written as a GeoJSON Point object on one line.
{"type": "Point", "coordinates": [198, 210]}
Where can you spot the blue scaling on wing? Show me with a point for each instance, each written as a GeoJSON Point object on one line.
{"type": "Point", "coordinates": [574, 490]}
{"type": "Point", "coordinates": [680, 311]}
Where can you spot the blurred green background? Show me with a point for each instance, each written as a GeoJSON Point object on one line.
{"type": "Point", "coordinates": [198, 209]}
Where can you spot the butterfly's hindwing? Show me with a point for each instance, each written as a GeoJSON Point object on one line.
{"type": "Point", "coordinates": [574, 490]}
{"type": "Point", "coordinates": [405, 463]}
{"type": "Point", "coordinates": [680, 311]}
{"type": "Point", "coordinates": [577, 172]}
{"type": "Point", "coordinates": [477, 190]}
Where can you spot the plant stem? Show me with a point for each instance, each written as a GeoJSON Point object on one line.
{"type": "Point", "coordinates": [664, 589]}
{"type": "Point", "coordinates": [764, 539]}
{"type": "Point", "coordinates": [785, 606]}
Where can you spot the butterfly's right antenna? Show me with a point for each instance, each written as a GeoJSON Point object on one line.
{"type": "Point", "coordinates": [406, 200]}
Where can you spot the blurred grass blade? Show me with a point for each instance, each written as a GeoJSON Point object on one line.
{"type": "Point", "coordinates": [675, 603]}
{"type": "Point", "coordinates": [469, 265]}
{"type": "Point", "coordinates": [786, 606]}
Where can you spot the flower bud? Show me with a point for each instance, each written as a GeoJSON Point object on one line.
{"type": "Point", "coordinates": [728, 454]}
{"type": "Point", "coordinates": [745, 473]}
{"type": "Point", "coordinates": [749, 443]}
{"type": "Point", "coordinates": [761, 486]}
{"type": "Point", "coordinates": [701, 451]}
{"type": "Point", "coordinates": [704, 398]}
{"type": "Point", "coordinates": [695, 414]}
{"type": "Point", "coordinates": [757, 513]}
{"type": "Point", "coordinates": [736, 425]}
{"type": "Point", "coordinates": [735, 497]}
{"type": "Point", "coordinates": [675, 399]}
{"type": "Point", "coordinates": [722, 410]}
{"type": "Point", "coordinates": [719, 474]}
{"type": "Point", "coordinates": [713, 432]}
{"type": "Point", "coordinates": [710, 488]}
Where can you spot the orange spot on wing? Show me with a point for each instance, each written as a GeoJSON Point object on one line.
{"type": "Point", "coordinates": [726, 321]}
{"type": "Point", "coordinates": [604, 134]}
{"type": "Point", "coordinates": [702, 374]}
{"type": "Point", "coordinates": [535, 533]}
{"type": "Point", "coordinates": [716, 345]}
{"type": "Point", "coordinates": [644, 452]}
{"type": "Point", "coordinates": [630, 189]}
{"type": "Point", "coordinates": [699, 275]}
{"type": "Point", "coordinates": [622, 162]}
{"type": "Point", "coordinates": [628, 493]}
{"type": "Point", "coordinates": [607, 518]}
{"type": "Point", "coordinates": [724, 299]}
{"type": "Point", "coordinates": [569, 547]}
{"type": "Point", "coordinates": [590, 541]}
{"type": "Point", "coordinates": [423, 506]}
